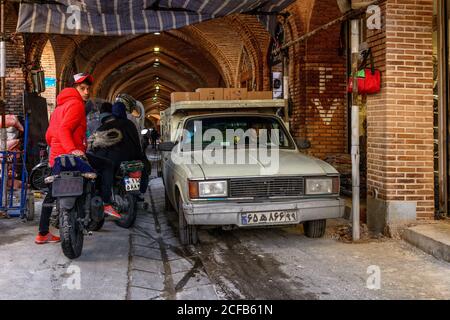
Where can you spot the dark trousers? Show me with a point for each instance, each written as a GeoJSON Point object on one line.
{"type": "Point", "coordinates": [104, 168]}
{"type": "Point", "coordinates": [144, 181]}
{"type": "Point", "coordinates": [106, 171]}
{"type": "Point", "coordinates": [46, 212]}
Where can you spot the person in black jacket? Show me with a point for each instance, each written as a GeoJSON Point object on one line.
{"type": "Point", "coordinates": [101, 157]}
{"type": "Point", "coordinates": [117, 139]}
{"type": "Point", "coordinates": [154, 136]}
{"type": "Point", "coordinates": [120, 113]}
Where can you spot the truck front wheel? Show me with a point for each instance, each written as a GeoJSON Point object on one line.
{"type": "Point", "coordinates": [188, 233]}
{"type": "Point", "coordinates": [315, 228]}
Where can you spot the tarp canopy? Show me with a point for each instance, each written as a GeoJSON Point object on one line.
{"type": "Point", "coordinates": [119, 18]}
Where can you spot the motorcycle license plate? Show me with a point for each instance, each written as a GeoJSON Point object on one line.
{"type": "Point", "coordinates": [67, 187]}
{"type": "Point", "coordinates": [132, 184]}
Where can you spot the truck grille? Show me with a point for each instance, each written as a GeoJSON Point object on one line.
{"type": "Point", "coordinates": [267, 187]}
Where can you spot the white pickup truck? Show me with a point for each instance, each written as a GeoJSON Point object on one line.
{"type": "Point", "coordinates": [276, 185]}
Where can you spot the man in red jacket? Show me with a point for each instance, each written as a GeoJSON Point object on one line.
{"type": "Point", "coordinates": [66, 134]}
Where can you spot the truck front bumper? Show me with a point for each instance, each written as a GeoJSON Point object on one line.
{"type": "Point", "coordinates": [226, 213]}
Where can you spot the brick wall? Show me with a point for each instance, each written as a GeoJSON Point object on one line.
{"type": "Point", "coordinates": [400, 119]}
{"type": "Point", "coordinates": [15, 57]}
{"type": "Point", "coordinates": [318, 81]}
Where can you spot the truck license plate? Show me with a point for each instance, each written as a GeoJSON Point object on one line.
{"type": "Point", "coordinates": [268, 217]}
{"type": "Point", "coordinates": [132, 184]}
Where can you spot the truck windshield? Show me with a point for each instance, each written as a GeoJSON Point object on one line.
{"type": "Point", "coordinates": [235, 131]}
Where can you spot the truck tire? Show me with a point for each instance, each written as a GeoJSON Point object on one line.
{"type": "Point", "coordinates": [71, 233]}
{"type": "Point", "coordinates": [315, 228]}
{"type": "Point", "coordinates": [188, 233]}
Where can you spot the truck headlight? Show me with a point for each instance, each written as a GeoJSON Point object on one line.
{"type": "Point", "coordinates": [319, 186]}
{"type": "Point", "coordinates": [208, 189]}
{"type": "Point", "coordinates": [212, 189]}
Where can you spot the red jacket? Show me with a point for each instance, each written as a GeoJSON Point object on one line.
{"type": "Point", "coordinates": [67, 129]}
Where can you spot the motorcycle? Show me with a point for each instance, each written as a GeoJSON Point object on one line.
{"type": "Point", "coordinates": [126, 192]}
{"type": "Point", "coordinates": [79, 207]}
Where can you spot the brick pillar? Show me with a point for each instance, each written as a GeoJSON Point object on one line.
{"type": "Point", "coordinates": [400, 118]}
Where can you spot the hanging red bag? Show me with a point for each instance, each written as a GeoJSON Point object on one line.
{"type": "Point", "coordinates": [361, 76]}
{"type": "Point", "coordinates": [369, 79]}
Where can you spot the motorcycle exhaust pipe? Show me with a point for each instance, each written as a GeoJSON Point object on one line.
{"type": "Point", "coordinates": [97, 213]}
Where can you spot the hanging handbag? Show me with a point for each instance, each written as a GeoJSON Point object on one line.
{"type": "Point", "coordinates": [369, 79]}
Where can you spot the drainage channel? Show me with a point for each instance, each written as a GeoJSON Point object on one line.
{"type": "Point", "coordinates": [169, 251]}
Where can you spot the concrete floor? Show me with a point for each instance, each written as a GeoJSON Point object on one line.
{"type": "Point", "coordinates": [147, 262]}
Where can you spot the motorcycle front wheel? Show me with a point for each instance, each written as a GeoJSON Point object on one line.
{"type": "Point", "coordinates": [71, 233]}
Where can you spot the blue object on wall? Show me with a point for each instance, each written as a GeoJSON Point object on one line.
{"type": "Point", "coordinates": [50, 82]}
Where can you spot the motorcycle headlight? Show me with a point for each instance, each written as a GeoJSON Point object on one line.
{"type": "Point", "coordinates": [319, 186]}
{"type": "Point", "coordinates": [208, 189]}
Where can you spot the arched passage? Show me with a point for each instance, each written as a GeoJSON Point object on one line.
{"type": "Point", "coordinates": [48, 64]}
{"type": "Point", "coordinates": [209, 54]}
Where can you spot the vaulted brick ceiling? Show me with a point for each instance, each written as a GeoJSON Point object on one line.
{"type": "Point", "coordinates": [134, 67]}
{"type": "Point", "coordinates": [203, 55]}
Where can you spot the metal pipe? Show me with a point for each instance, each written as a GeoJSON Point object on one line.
{"type": "Point", "coordinates": [286, 87]}
{"type": "Point", "coordinates": [3, 59]}
{"type": "Point", "coordinates": [355, 132]}
{"type": "Point", "coordinates": [442, 109]}
{"type": "Point", "coordinates": [3, 144]}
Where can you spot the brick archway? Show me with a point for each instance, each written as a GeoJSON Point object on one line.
{"type": "Point", "coordinates": [48, 63]}
{"type": "Point", "coordinates": [317, 76]}
{"type": "Point", "coordinates": [115, 61]}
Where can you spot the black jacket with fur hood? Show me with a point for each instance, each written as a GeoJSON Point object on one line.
{"type": "Point", "coordinates": [117, 140]}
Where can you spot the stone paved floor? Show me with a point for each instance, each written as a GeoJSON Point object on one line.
{"type": "Point", "coordinates": [148, 262]}
{"type": "Point", "coordinates": [159, 267]}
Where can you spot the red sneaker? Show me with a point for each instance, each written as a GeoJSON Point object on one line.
{"type": "Point", "coordinates": [110, 211]}
{"type": "Point", "coordinates": [49, 238]}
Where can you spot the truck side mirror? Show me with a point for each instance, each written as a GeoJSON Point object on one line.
{"type": "Point", "coordinates": [303, 144]}
{"type": "Point", "coordinates": [166, 146]}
